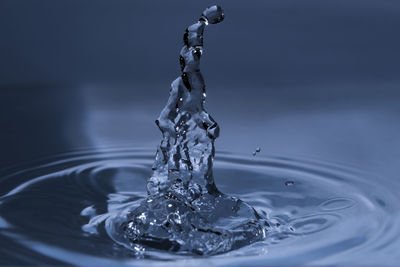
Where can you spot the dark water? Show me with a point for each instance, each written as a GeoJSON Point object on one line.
{"type": "Point", "coordinates": [323, 111]}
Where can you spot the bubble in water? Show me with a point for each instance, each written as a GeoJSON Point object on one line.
{"type": "Point", "coordinates": [289, 183]}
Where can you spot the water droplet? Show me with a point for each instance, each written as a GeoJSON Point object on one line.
{"type": "Point", "coordinates": [180, 99]}
{"type": "Point", "coordinates": [289, 183]}
{"type": "Point", "coordinates": [213, 14]}
{"type": "Point", "coordinates": [256, 151]}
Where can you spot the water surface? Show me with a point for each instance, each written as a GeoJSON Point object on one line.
{"type": "Point", "coordinates": [324, 112]}
{"type": "Point", "coordinates": [327, 215]}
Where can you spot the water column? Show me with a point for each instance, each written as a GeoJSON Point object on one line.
{"type": "Point", "coordinates": [186, 152]}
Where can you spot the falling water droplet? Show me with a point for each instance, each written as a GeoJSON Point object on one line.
{"type": "Point", "coordinates": [256, 151]}
{"type": "Point", "coordinates": [289, 183]}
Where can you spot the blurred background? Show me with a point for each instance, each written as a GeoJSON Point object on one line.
{"type": "Point", "coordinates": [311, 77]}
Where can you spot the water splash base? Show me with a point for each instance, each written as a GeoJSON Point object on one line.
{"type": "Point", "coordinates": [329, 216]}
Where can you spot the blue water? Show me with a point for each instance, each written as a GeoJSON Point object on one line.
{"type": "Point", "coordinates": [332, 213]}
{"type": "Point", "coordinates": [323, 112]}
{"type": "Point", "coordinates": [184, 211]}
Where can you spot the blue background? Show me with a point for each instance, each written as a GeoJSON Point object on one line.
{"type": "Point", "coordinates": [316, 78]}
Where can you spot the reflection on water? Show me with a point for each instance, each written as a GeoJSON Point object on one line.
{"type": "Point", "coordinates": [328, 216]}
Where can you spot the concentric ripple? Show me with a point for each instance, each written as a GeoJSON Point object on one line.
{"type": "Point", "coordinates": [60, 210]}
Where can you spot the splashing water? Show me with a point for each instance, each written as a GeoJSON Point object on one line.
{"type": "Point", "coordinates": [184, 210]}
{"type": "Point", "coordinates": [330, 211]}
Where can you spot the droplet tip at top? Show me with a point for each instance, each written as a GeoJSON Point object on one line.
{"type": "Point", "coordinates": [213, 14]}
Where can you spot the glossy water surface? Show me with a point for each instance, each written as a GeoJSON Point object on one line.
{"type": "Point", "coordinates": [323, 111]}
{"type": "Point", "coordinates": [320, 212]}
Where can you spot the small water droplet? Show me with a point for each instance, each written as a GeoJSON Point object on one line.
{"type": "Point", "coordinates": [180, 99]}
{"type": "Point", "coordinates": [289, 183]}
{"type": "Point", "coordinates": [258, 149]}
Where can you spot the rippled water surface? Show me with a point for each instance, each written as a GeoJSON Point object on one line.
{"type": "Point", "coordinates": [307, 103]}
{"type": "Point", "coordinates": [320, 212]}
